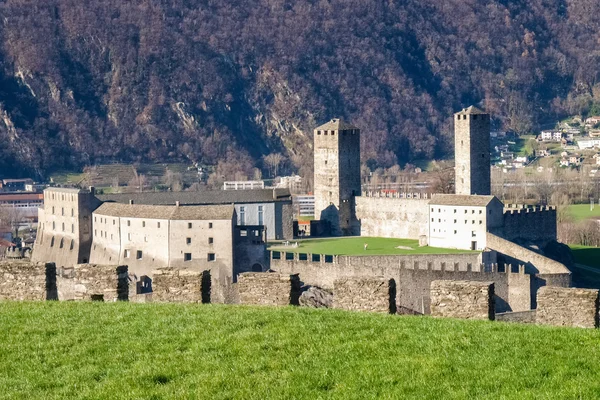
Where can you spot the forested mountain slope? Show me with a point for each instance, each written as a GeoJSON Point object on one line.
{"type": "Point", "coordinates": [219, 81]}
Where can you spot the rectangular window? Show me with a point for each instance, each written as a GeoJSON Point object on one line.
{"type": "Point", "coordinates": [188, 240]}
{"type": "Point", "coordinates": [243, 232]}
{"type": "Point", "coordinates": [129, 236]}
{"type": "Point", "coordinates": [114, 221]}
{"type": "Point", "coordinates": [260, 215]}
{"type": "Point", "coordinates": [473, 234]}
{"type": "Point", "coordinates": [138, 255]}
{"type": "Point", "coordinates": [128, 223]}
{"type": "Point", "coordinates": [210, 240]}
{"type": "Point", "coordinates": [158, 224]}
{"type": "Point", "coordinates": [189, 225]}
{"type": "Point", "coordinates": [211, 257]}
{"type": "Point", "coordinates": [242, 215]}
{"type": "Point", "coordinates": [72, 228]}
{"type": "Point", "coordinates": [143, 224]}
{"type": "Point", "coordinates": [210, 225]}
{"type": "Point", "coordinates": [126, 254]}
{"type": "Point", "coordinates": [187, 256]}
{"type": "Point", "coordinates": [72, 212]}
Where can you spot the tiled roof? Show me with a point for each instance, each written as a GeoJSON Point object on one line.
{"type": "Point", "coordinates": [461, 200]}
{"type": "Point", "coordinates": [66, 190]}
{"type": "Point", "coordinates": [201, 197]}
{"type": "Point", "coordinates": [471, 110]}
{"type": "Point", "coordinates": [206, 212]}
{"type": "Point", "coordinates": [336, 124]}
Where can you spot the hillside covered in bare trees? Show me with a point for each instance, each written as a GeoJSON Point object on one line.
{"type": "Point", "coordinates": [218, 82]}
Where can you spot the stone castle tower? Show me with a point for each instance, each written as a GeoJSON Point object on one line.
{"type": "Point", "coordinates": [472, 152]}
{"type": "Point", "coordinates": [337, 176]}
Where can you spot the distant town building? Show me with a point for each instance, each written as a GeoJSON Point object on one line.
{"type": "Point", "coordinates": [592, 121]}
{"type": "Point", "coordinates": [15, 185]}
{"type": "Point", "coordinates": [542, 153]}
{"type": "Point", "coordinates": [551, 136]}
{"type": "Point", "coordinates": [304, 205]}
{"type": "Point", "coordinates": [26, 204]}
{"type": "Point", "coordinates": [588, 143]}
{"type": "Point", "coordinates": [243, 185]}
{"type": "Point", "coordinates": [293, 183]}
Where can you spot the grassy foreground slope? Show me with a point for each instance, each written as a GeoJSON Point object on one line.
{"type": "Point", "coordinates": [165, 351]}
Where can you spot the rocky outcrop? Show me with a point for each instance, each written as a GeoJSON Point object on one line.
{"type": "Point", "coordinates": [315, 297]}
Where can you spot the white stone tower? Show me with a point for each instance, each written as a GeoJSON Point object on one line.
{"type": "Point", "coordinates": [472, 152]}
{"type": "Point", "coordinates": [337, 176]}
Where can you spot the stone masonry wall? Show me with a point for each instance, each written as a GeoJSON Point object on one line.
{"type": "Point", "coordinates": [462, 299]}
{"type": "Point", "coordinates": [365, 294]}
{"type": "Point", "coordinates": [93, 282]}
{"type": "Point", "coordinates": [530, 223]}
{"type": "Point", "coordinates": [264, 288]}
{"type": "Point", "coordinates": [392, 217]}
{"type": "Point", "coordinates": [23, 281]}
{"type": "Point", "coordinates": [181, 286]}
{"type": "Point", "coordinates": [413, 275]}
{"type": "Point", "coordinates": [567, 307]}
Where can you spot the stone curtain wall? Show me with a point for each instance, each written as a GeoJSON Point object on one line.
{"type": "Point", "coordinates": [392, 217]}
{"type": "Point", "coordinates": [181, 286]}
{"type": "Point", "coordinates": [93, 282]}
{"type": "Point", "coordinates": [462, 299]}
{"type": "Point", "coordinates": [413, 276]}
{"type": "Point", "coordinates": [265, 288]}
{"type": "Point", "coordinates": [567, 307]}
{"type": "Point", "coordinates": [535, 263]}
{"type": "Point", "coordinates": [365, 294]}
{"type": "Point", "coordinates": [23, 281]}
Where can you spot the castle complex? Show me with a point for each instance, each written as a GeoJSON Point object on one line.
{"type": "Point", "coordinates": [223, 233]}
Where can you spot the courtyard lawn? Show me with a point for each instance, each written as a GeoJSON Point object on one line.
{"type": "Point", "coordinates": [579, 212]}
{"type": "Point", "coordinates": [75, 350]}
{"type": "Point", "coordinates": [354, 246]}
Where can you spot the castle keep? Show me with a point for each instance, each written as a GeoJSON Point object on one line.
{"type": "Point", "coordinates": [337, 176]}
{"type": "Point", "coordinates": [472, 152]}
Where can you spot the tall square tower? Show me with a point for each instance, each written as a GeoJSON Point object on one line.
{"type": "Point", "coordinates": [337, 175]}
{"type": "Point", "coordinates": [472, 152]}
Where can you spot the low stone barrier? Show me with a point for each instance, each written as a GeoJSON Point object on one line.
{"type": "Point", "coordinates": [463, 299]}
{"type": "Point", "coordinates": [268, 288]}
{"type": "Point", "coordinates": [567, 307]}
{"type": "Point", "coordinates": [92, 282]}
{"type": "Point", "coordinates": [23, 281]}
{"type": "Point", "coordinates": [180, 286]}
{"type": "Point", "coordinates": [365, 294]}
{"type": "Point", "coordinates": [523, 317]}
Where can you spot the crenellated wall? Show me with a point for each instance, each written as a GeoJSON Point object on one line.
{"type": "Point", "coordinates": [536, 224]}
{"type": "Point", "coordinates": [413, 275]}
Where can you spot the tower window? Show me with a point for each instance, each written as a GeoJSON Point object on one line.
{"type": "Point", "coordinates": [325, 133]}
{"type": "Point", "coordinates": [318, 132]}
{"type": "Point", "coordinates": [138, 256]}
{"type": "Point", "coordinates": [210, 240]}
{"type": "Point", "coordinates": [187, 256]}
{"type": "Point", "coordinates": [211, 257]}
{"type": "Point", "coordinates": [332, 133]}
{"type": "Point", "coordinates": [188, 240]}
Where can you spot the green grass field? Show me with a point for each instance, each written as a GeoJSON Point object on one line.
{"type": "Point", "coordinates": [579, 212]}
{"type": "Point", "coordinates": [355, 246]}
{"type": "Point", "coordinates": [168, 351]}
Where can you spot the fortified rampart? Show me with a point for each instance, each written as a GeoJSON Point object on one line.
{"type": "Point", "coordinates": [413, 275]}
{"type": "Point", "coordinates": [181, 286]}
{"type": "Point", "coordinates": [23, 281]}
{"type": "Point", "coordinates": [395, 215]}
{"type": "Point", "coordinates": [463, 299]}
{"type": "Point", "coordinates": [529, 223]}
{"type": "Point", "coordinates": [94, 282]}
{"type": "Point", "coordinates": [567, 307]}
{"type": "Point", "coordinates": [365, 294]}
{"type": "Point", "coordinates": [268, 289]}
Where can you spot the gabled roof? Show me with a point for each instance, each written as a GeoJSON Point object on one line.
{"type": "Point", "coordinates": [462, 200]}
{"type": "Point", "coordinates": [207, 212]}
{"type": "Point", "coordinates": [470, 111]}
{"type": "Point", "coordinates": [201, 198]}
{"type": "Point", "coordinates": [336, 124]}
